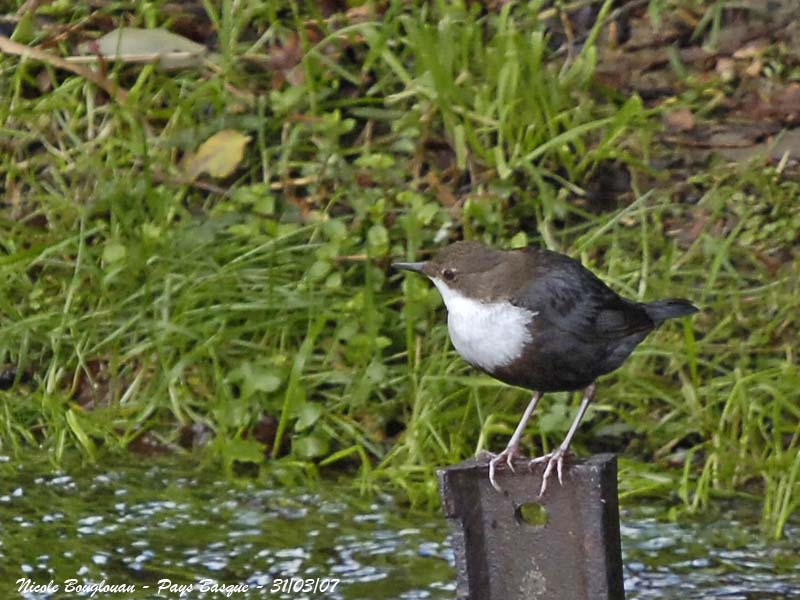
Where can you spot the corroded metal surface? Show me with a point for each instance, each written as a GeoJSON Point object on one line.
{"type": "Point", "coordinates": [575, 555]}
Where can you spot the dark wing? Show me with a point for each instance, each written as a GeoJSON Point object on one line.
{"type": "Point", "coordinates": [571, 298]}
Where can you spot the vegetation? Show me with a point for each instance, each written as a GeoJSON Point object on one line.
{"type": "Point", "coordinates": [254, 315]}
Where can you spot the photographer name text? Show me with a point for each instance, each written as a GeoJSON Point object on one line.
{"type": "Point", "coordinates": [168, 588]}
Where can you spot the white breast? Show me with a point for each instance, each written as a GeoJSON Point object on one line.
{"type": "Point", "coordinates": [485, 334]}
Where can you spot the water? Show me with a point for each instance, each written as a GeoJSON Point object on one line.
{"type": "Point", "coordinates": [172, 525]}
{"type": "Point", "coordinates": [709, 558]}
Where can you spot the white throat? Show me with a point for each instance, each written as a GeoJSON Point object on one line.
{"type": "Point", "coordinates": [486, 334]}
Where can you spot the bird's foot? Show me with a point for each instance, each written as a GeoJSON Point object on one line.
{"type": "Point", "coordinates": [555, 460]}
{"type": "Point", "coordinates": [507, 456]}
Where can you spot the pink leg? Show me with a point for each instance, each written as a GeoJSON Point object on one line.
{"type": "Point", "coordinates": [512, 449]}
{"type": "Point", "coordinates": [556, 458]}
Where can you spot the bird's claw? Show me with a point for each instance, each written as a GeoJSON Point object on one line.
{"type": "Point", "coordinates": [506, 456]}
{"type": "Point", "coordinates": [539, 459]}
{"type": "Point", "coordinates": [555, 460]}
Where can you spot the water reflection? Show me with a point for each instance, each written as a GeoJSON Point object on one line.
{"type": "Point", "coordinates": [138, 525]}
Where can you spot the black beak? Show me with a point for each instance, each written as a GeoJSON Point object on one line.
{"type": "Point", "coordinates": [404, 266]}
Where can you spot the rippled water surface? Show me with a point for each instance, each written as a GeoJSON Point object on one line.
{"type": "Point", "coordinates": [171, 524]}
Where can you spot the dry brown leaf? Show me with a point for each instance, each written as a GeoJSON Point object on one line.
{"type": "Point", "coordinates": [782, 104]}
{"type": "Point", "coordinates": [754, 49]}
{"type": "Point", "coordinates": [681, 119]}
{"type": "Point", "coordinates": [726, 67]}
{"type": "Point", "coordinates": [754, 68]}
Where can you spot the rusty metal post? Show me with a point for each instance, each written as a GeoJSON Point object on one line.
{"type": "Point", "coordinates": [574, 555]}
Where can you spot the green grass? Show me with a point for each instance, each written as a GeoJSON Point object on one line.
{"type": "Point", "coordinates": [133, 301]}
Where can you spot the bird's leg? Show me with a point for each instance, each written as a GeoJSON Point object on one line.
{"type": "Point", "coordinates": [556, 458]}
{"type": "Point", "coordinates": [512, 449]}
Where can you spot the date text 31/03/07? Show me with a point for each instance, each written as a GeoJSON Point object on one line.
{"type": "Point", "coordinates": [298, 584]}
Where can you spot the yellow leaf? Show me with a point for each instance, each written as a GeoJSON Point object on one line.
{"type": "Point", "coordinates": [218, 156]}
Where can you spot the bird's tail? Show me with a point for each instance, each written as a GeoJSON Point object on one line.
{"type": "Point", "coordinates": [661, 310]}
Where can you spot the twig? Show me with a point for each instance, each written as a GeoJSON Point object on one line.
{"type": "Point", "coordinates": [146, 57]}
{"type": "Point", "coordinates": [10, 47]}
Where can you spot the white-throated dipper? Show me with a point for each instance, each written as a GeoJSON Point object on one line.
{"type": "Point", "coordinates": [539, 320]}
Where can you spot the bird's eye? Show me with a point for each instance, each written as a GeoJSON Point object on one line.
{"type": "Point", "coordinates": [449, 274]}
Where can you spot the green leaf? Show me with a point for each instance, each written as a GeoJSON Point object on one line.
{"type": "Point", "coordinates": [310, 446]}
{"type": "Point", "coordinates": [377, 241]}
{"type": "Point", "coordinates": [318, 270]}
{"type": "Point", "coordinates": [80, 433]}
{"type": "Point", "coordinates": [375, 161]}
{"type": "Point", "coordinates": [241, 450]}
{"type": "Point", "coordinates": [334, 229]}
{"type": "Point", "coordinates": [257, 377]}
{"type": "Point", "coordinates": [307, 414]}
{"type": "Point", "coordinates": [520, 240]}
{"type": "Point", "coordinates": [114, 252]}
{"type": "Point", "coordinates": [295, 392]}
{"type": "Point", "coordinates": [459, 141]}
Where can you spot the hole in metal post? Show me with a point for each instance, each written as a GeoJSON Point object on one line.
{"type": "Point", "coordinates": [532, 514]}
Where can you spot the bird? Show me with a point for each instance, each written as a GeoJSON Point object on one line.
{"type": "Point", "coordinates": [540, 320]}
